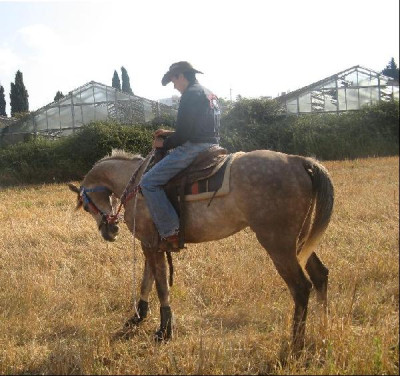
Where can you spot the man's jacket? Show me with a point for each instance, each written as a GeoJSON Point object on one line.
{"type": "Point", "coordinates": [198, 118]}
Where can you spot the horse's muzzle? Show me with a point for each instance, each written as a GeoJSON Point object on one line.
{"type": "Point", "coordinates": [109, 231]}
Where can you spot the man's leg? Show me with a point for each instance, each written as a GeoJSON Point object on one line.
{"type": "Point", "coordinates": [162, 211]}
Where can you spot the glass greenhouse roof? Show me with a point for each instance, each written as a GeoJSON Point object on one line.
{"type": "Point", "coordinates": [90, 102]}
{"type": "Point", "coordinates": [344, 91]}
{"type": "Point", "coordinates": [347, 90]}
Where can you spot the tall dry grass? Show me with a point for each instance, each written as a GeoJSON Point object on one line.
{"type": "Point", "coordinates": [64, 291]}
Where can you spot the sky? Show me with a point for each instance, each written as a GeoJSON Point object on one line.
{"type": "Point", "coordinates": [251, 48]}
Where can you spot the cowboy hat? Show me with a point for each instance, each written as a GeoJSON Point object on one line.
{"type": "Point", "coordinates": [177, 68]}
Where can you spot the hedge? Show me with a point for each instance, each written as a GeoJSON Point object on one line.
{"type": "Point", "coordinates": [371, 131]}
{"type": "Point", "coordinates": [250, 124]}
{"type": "Point", "coordinates": [70, 158]}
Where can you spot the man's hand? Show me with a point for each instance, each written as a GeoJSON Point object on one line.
{"type": "Point", "coordinates": [158, 142]}
{"type": "Point", "coordinates": [162, 132]}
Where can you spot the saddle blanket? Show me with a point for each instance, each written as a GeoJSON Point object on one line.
{"type": "Point", "coordinates": [215, 185]}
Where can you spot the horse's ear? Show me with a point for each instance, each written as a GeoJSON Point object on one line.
{"type": "Point", "coordinates": [73, 188]}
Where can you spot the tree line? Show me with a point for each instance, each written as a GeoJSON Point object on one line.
{"type": "Point", "coordinates": [19, 95]}
{"type": "Point", "coordinates": [116, 83]}
{"type": "Point", "coordinates": [250, 124]}
{"type": "Point", "coordinates": [19, 101]}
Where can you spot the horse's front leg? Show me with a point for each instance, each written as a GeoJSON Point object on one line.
{"type": "Point", "coordinates": [158, 266]}
{"type": "Point", "coordinates": [145, 289]}
{"type": "Point", "coordinates": [142, 308]}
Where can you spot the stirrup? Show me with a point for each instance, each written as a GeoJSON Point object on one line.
{"type": "Point", "coordinates": [170, 243]}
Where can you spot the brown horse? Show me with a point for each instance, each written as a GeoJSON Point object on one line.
{"type": "Point", "coordinates": [287, 200]}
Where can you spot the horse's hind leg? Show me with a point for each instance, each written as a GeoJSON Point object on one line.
{"type": "Point", "coordinates": [318, 273]}
{"type": "Point", "coordinates": [283, 255]}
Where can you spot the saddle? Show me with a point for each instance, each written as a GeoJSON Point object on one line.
{"type": "Point", "coordinates": [209, 163]}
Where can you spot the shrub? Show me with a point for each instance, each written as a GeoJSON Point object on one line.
{"type": "Point", "coordinates": [41, 160]}
{"type": "Point", "coordinates": [249, 124]}
{"type": "Point", "coordinates": [259, 124]}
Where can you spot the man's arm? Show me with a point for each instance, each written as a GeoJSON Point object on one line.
{"type": "Point", "coordinates": [184, 122]}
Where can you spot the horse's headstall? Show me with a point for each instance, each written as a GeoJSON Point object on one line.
{"type": "Point", "coordinates": [86, 201]}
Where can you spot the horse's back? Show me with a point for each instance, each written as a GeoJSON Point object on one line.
{"type": "Point", "coordinates": [270, 171]}
{"type": "Point", "coordinates": [272, 188]}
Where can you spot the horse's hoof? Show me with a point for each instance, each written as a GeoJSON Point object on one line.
{"type": "Point", "coordinates": [139, 316]}
{"type": "Point", "coordinates": [161, 336]}
{"type": "Point", "coordinates": [133, 322]}
{"type": "Point", "coordinates": [165, 332]}
{"type": "Point", "coordinates": [127, 332]}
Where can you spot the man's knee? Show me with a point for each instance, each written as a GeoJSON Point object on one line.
{"type": "Point", "coordinates": [150, 182]}
{"type": "Point", "coordinates": [146, 183]}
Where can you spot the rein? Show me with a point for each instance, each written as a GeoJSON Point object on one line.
{"type": "Point", "coordinates": [129, 192]}
{"type": "Point", "coordinates": [127, 195]}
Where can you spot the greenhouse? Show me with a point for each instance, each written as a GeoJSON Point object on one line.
{"type": "Point", "coordinates": [347, 90]}
{"type": "Point", "coordinates": [90, 102]}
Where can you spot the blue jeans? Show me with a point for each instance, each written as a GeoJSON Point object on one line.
{"type": "Point", "coordinates": [161, 209]}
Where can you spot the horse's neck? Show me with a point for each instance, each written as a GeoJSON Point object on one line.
{"type": "Point", "coordinates": [119, 173]}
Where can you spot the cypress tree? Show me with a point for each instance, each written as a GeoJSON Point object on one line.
{"type": "Point", "coordinates": [126, 86]}
{"type": "Point", "coordinates": [18, 95]}
{"type": "Point", "coordinates": [2, 102]}
{"type": "Point", "coordinates": [116, 83]}
{"type": "Point", "coordinates": [58, 96]}
{"type": "Point", "coordinates": [391, 70]}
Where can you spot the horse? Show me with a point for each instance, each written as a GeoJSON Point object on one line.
{"type": "Point", "coordinates": [287, 200]}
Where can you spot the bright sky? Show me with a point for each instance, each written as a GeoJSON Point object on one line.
{"type": "Point", "coordinates": [250, 47]}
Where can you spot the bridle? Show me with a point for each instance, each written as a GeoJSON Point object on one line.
{"type": "Point", "coordinates": [89, 205]}
{"type": "Point", "coordinates": [130, 192]}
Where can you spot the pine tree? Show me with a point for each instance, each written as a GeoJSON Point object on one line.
{"type": "Point", "coordinates": [18, 95]}
{"type": "Point", "coordinates": [2, 102]}
{"type": "Point", "coordinates": [126, 86]}
{"type": "Point", "coordinates": [116, 83]}
{"type": "Point", "coordinates": [58, 96]}
{"type": "Point", "coordinates": [391, 70]}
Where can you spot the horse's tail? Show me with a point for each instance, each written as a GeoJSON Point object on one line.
{"type": "Point", "coordinates": [320, 210]}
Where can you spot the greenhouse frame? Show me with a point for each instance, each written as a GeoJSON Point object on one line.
{"type": "Point", "coordinates": [347, 90]}
{"type": "Point", "coordinates": [91, 102]}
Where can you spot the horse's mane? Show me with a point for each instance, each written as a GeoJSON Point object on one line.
{"type": "Point", "coordinates": [120, 155]}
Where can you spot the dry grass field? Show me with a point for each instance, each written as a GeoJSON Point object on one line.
{"type": "Point", "coordinates": [64, 291]}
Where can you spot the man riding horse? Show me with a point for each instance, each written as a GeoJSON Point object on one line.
{"type": "Point", "coordinates": [286, 200]}
{"type": "Point", "coordinates": [197, 127]}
